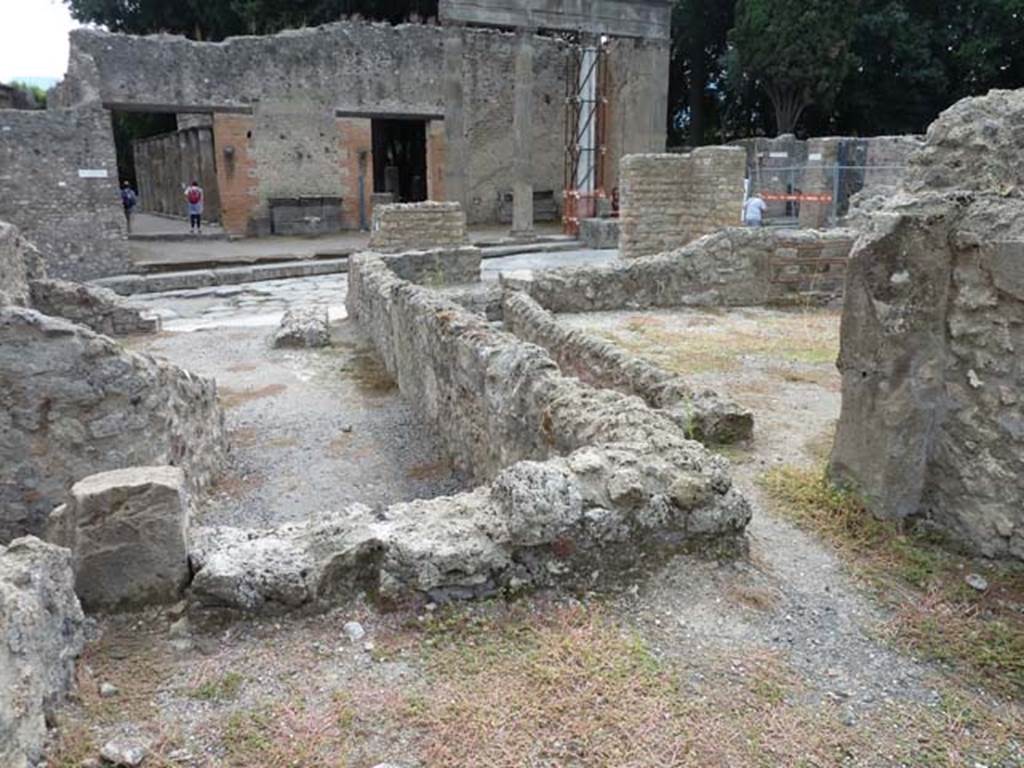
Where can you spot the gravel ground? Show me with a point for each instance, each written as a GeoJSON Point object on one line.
{"type": "Point", "coordinates": [311, 430]}
{"type": "Point", "coordinates": [264, 692]}
{"type": "Point", "coordinates": [792, 594]}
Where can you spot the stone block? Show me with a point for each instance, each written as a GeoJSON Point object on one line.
{"type": "Point", "coordinates": [41, 635]}
{"type": "Point", "coordinates": [600, 233]}
{"type": "Point", "coordinates": [127, 530]}
{"type": "Point", "coordinates": [303, 327]}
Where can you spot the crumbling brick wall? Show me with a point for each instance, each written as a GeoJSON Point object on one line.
{"type": "Point", "coordinates": [405, 226]}
{"type": "Point", "coordinates": [668, 200]}
{"type": "Point", "coordinates": [58, 184]}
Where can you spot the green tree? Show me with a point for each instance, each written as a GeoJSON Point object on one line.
{"type": "Point", "coordinates": [699, 33]}
{"type": "Point", "coordinates": [217, 19]}
{"type": "Point", "coordinates": [34, 95]}
{"type": "Point", "coordinates": [797, 51]}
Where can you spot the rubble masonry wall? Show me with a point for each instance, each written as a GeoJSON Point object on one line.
{"type": "Point", "coordinates": [733, 267]}
{"type": "Point", "coordinates": [295, 106]}
{"type": "Point", "coordinates": [58, 184]}
{"type": "Point", "coordinates": [669, 200]}
{"type": "Point", "coordinates": [73, 403]}
{"type": "Point", "coordinates": [932, 329]}
{"type": "Point", "coordinates": [706, 416]}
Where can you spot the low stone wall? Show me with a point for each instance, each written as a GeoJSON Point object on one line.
{"type": "Point", "coordinates": [100, 309]}
{"type": "Point", "coordinates": [668, 200]}
{"type": "Point", "coordinates": [20, 262]}
{"type": "Point", "coordinates": [409, 226]}
{"type": "Point", "coordinates": [437, 266]}
{"type": "Point", "coordinates": [705, 416]}
{"type": "Point", "coordinates": [73, 403]}
{"type": "Point", "coordinates": [734, 267]}
{"type": "Point", "coordinates": [583, 482]}
{"type": "Point", "coordinates": [932, 423]}
{"type": "Point", "coordinates": [41, 635]}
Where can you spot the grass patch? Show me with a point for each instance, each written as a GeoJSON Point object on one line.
{"type": "Point", "coordinates": [223, 688]}
{"type": "Point", "coordinates": [936, 615]}
{"type": "Point", "coordinates": [290, 734]}
{"type": "Point", "coordinates": [715, 342]}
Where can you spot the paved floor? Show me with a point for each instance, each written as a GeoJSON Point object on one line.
{"type": "Point", "coordinates": [203, 250]}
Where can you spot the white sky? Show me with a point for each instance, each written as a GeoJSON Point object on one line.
{"type": "Point", "coordinates": [34, 38]}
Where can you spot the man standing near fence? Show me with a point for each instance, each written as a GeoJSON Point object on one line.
{"type": "Point", "coordinates": [194, 198]}
{"type": "Point", "coordinates": [753, 211]}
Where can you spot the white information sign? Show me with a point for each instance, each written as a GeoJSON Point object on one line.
{"type": "Point", "coordinates": [778, 154]}
{"type": "Point", "coordinates": [92, 173]}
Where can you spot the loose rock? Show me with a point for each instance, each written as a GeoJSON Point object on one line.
{"type": "Point", "coordinates": [306, 327]}
{"type": "Point", "coordinates": [124, 752]}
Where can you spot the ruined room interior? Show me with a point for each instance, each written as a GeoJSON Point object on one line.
{"type": "Point", "coordinates": [479, 427]}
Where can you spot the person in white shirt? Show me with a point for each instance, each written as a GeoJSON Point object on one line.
{"type": "Point", "coordinates": [753, 211]}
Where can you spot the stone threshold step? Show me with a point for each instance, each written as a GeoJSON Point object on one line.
{"type": "Point", "coordinates": [183, 279]}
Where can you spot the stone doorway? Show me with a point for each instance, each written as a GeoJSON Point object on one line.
{"type": "Point", "coordinates": [400, 158]}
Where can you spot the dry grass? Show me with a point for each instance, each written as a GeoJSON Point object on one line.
{"type": "Point", "coordinates": [296, 733]}
{"type": "Point", "coordinates": [715, 342]}
{"type": "Point", "coordinates": [511, 687]}
{"type": "Point", "coordinates": [936, 614]}
{"type": "Point", "coordinates": [232, 398]}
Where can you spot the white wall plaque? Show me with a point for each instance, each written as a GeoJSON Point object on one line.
{"type": "Point", "coordinates": [92, 173]}
{"type": "Point", "coordinates": [814, 156]}
{"type": "Point", "coordinates": [778, 154]}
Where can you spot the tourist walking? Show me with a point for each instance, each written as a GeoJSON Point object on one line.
{"type": "Point", "coordinates": [128, 201]}
{"type": "Point", "coordinates": [194, 198]}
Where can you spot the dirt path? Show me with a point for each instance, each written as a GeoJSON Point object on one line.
{"type": "Point", "coordinates": [311, 430]}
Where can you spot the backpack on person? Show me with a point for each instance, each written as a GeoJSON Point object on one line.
{"type": "Point", "coordinates": [193, 195]}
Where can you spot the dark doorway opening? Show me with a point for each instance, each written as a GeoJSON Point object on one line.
{"type": "Point", "coordinates": [400, 159]}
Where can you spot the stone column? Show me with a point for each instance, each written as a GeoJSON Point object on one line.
{"type": "Point", "coordinates": [454, 119]}
{"type": "Point", "coordinates": [522, 131]}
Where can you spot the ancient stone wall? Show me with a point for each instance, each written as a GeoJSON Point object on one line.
{"type": "Point", "coordinates": [497, 399]}
{"type": "Point", "coordinates": [584, 482]}
{"type": "Point", "coordinates": [931, 337]}
{"type": "Point", "coordinates": [252, 81]}
{"type": "Point", "coordinates": [705, 416]}
{"type": "Point", "coordinates": [58, 184]}
{"type": "Point", "coordinates": [733, 267]}
{"type": "Point", "coordinates": [669, 200]}
{"type": "Point", "coordinates": [20, 263]}
{"type": "Point", "coordinates": [73, 403]}
{"type": "Point", "coordinates": [97, 308]}
{"type": "Point", "coordinates": [437, 266]}
{"type": "Point", "coordinates": [41, 635]}
{"type": "Point", "coordinates": [405, 226]}
{"type": "Point", "coordinates": [165, 164]}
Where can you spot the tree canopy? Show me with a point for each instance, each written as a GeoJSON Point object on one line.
{"type": "Point", "coordinates": [737, 68]}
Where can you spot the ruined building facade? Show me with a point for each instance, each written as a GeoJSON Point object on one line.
{"type": "Point", "coordinates": [309, 124]}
